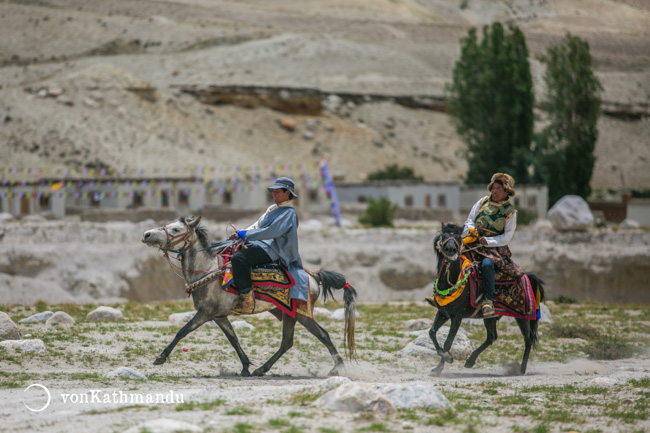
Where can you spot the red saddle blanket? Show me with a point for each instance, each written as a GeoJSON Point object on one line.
{"type": "Point", "coordinates": [513, 298]}
{"type": "Point", "coordinates": [272, 283]}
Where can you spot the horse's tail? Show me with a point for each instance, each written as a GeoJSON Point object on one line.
{"type": "Point", "coordinates": [538, 291]}
{"type": "Point", "coordinates": [333, 280]}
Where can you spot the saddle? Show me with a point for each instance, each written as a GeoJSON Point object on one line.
{"type": "Point", "coordinates": [269, 276]}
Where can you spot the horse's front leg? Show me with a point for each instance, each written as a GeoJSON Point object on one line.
{"type": "Point", "coordinates": [201, 316]}
{"type": "Point", "coordinates": [438, 321]}
{"type": "Point", "coordinates": [491, 329]}
{"type": "Point", "coordinates": [288, 327]}
{"type": "Point", "coordinates": [229, 332]}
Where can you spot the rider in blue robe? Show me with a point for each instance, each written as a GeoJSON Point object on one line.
{"type": "Point", "coordinates": [273, 237]}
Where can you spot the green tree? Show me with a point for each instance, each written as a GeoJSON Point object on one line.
{"type": "Point", "coordinates": [491, 100]}
{"type": "Point", "coordinates": [394, 172]}
{"type": "Point", "coordinates": [379, 213]}
{"type": "Point", "coordinates": [564, 150]}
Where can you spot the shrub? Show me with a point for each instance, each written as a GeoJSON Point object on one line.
{"type": "Point", "coordinates": [564, 299]}
{"type": "Point", "coordinates": [573, 331]}
{"type": "Point", "coordinates": [610, 350]}
{"type": "Point", "coordinates": [379, 213]}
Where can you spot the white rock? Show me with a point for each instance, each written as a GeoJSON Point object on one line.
{"type": "Point", "coordinates": [571, 212]}
{"type": "Point", "coordinates": [629, 224]}
{"type": "Point", "coordinates": [8, 329]}
{"type": "Point", "coordinates": [104, 313]}
{"type": "Point", "coordinates": [242, 324]}
{"type": "Point", "coordinates": [329, 384]}
{"type": "Point", "coordinates": [461, 348]}
{"type": "Point", "coordinates": [164, 425]}
{"type": "Point", "coordinates": [61, 318]}
{"type": "Point", "coordinates": [415, 395]}
{"type": "Point", "coordinates": [181, 318]}
{"type": "Point", "coordinates": [127, 373]}
{"type": "Point", "coordinates": [339, 314]}
{"type": "Point", "coordinates": [37, 318]}
{"type": "Point", "coordinates": [32, 346]}
{"type": "Point", "coordinates": [602, 381]}
{"type": "Point", "coordinates": [544, 314]}
{"type": "Point", "coordinates": [418, 324]}
{"type": "Point", "coordinates": [355, 397]}
{"type": "Point", "coordinates": [322, 312]}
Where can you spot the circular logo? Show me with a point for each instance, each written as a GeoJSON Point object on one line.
{"type": "Point", "coordinates": [47, 391]}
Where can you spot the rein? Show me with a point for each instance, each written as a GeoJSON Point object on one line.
{"type": "Point", "coordinates": [445, 265]}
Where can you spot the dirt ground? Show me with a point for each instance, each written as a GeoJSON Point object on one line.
{"type": "Point", "coordinates": [562, 390]}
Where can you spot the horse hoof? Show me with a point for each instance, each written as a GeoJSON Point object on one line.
{"type": "Point", "coordinates": [469, 363]}
{"type": "Point", "coordinates": [436, 372]}
{"type": "Point", "coordinates": [245, 373]}
{"type": "Point", "coordinates": [258, 373]}
{"type": "Point", "coordinates": [334, 372]}
{"type": "Point", "coordinates": [160, 359]}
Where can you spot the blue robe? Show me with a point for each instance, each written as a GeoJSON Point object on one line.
{"type": "Point", "coordinates": [278, 236]}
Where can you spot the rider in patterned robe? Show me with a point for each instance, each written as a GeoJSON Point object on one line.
{"type": "Point", "coordinates": [489, 227]}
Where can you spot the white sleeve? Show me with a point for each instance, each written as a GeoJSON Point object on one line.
{"type": "Point", "coordinates": [508, 233]}
{"type": "Point", "coordinates": [469, 224]}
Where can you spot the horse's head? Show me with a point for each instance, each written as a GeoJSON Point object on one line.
{"type": "Point", "coordinates": [177, 236]}
{"type": "Point", "coordinates": [449, 241]}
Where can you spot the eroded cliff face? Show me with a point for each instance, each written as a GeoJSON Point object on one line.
{"type": "Point", "coordinates": [71, 261]}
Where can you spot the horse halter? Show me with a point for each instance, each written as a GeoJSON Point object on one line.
{"type": "Point", "coordinates": [456, 242]}
{"type": "Point", "coordinates": [173, 241]}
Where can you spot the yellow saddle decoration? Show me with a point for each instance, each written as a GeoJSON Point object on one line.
{"type": "Point", "coordinates": [451, 297]}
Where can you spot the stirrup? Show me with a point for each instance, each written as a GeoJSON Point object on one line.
{"type": "Point", "coordinates": [487, 310]}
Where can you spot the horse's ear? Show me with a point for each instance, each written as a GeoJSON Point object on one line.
{"type": "Point", "coordinates": [194, 222]}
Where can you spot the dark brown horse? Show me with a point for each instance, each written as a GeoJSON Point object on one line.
{"type": "Point", "coordinates": [199, 263]}
{"type": "Point", "coordinates": [448, 246]}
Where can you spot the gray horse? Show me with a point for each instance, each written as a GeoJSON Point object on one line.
{"type": "Point", "coordinates": [202, 269]}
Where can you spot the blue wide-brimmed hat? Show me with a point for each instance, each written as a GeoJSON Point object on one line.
{"type": "Point", "coordinates": [285, 183]}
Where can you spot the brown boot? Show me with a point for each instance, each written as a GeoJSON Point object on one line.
{"type": "Point", "coordinates": [246, 303]}
{"type": "Point", "coordinates": [487, 310]}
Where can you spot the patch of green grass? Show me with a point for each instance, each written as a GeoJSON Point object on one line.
{"type": "Point", "coordinates": [242, 427]}
{"type": "Point", "coordinates": [329, 430]}
{"type": "Point", "coordinates": [443, 418]}
{"type": "Point", "coordinates": [199, 405]}
{"type": "Point", "coordinates": [375, 426]}
{"type": "Point", "coordinates": [240, 410]}
{"type": "Point", "coordinates": [585, 332]}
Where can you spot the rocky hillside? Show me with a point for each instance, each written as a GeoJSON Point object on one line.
{"type": "Point", "coordinates": [100, 84]}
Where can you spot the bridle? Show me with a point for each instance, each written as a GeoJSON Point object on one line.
{"type": "Point", "coordinates": [184, 238]}
{"type": "Point", "coordinates": [459, 245]}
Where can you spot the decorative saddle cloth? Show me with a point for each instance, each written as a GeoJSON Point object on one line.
{"type": "Point", "coordinates": [271, 283]}
{"type": "Point", "coordinates": [513, 298]}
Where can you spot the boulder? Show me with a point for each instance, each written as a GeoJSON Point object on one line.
{"type": "Point", "coordinates": [415, 395]}
{"type": "Point", "coordinates": [241, 324]}
{"type": "Point", "coordinates": [181, 318]}
{"type": "Point", "coordinates": [355, 397]}
{"type": "Point", "coordinates": [339, 314]}
{"type": "Point", "coordinates": [571, 213]}
{"type": "Point", "coordinates": [127, 373]}
{"type": "Point", "coordinates": [8, 329]}
{"type": "Point", "coordinates": [37, 318]}
{"type": "Point", "coordinates": [418, 324]}
{"type": "Point", "coordinates": [461, 348]}
{"type": "Point", "coordinates": [104, 314]}
{"type": "Point", "coordinates": [406, 276]}
{"type": "Point", "coordinates": [29, 346]}
{"type": "Point", "coordinates": [60, 318]}
{"type": "Point", "coordinates": [322, 312]}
